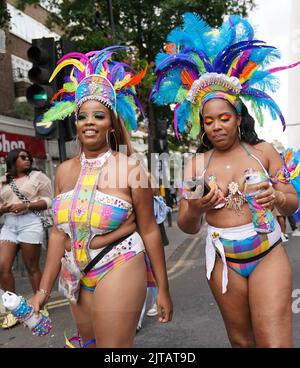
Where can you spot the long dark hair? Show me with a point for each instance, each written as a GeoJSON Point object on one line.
{"type": "Point", "coordinates": [120, 135]}
{"type": "Point", "coordinates": [248, 133]}
{"type": "Point", "coordinates": [11, 158]}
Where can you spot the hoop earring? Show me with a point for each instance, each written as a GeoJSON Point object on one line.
{"type": "Point", "coordinates": [76, 146]}
{"type": "Point", "coordinates": [108, 141]}
{"type": "Point", "coordinates": [239, 133]}
{"type": "Point", "coordinates": [202, 141]}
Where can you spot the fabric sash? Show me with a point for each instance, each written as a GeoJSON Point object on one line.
{"type": "Point", "coordinates": [81, 207]}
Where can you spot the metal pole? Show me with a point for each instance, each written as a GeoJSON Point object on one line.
{"type": "Point", "coordinates": [61, 143]}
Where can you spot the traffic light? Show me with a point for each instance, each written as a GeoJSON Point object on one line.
{"type": "Point", "coordinates": [42, 54]}
{"type": "Point", "coordinates": [161, 136]}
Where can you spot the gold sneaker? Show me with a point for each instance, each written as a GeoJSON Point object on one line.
{"type": "Point", "coordinates": [9, 321]}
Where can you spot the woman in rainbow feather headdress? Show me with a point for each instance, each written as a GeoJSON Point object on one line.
{"type": "Point", "coordinates": [208, 74]}
{"type": "Point", "coordinates": [95, 193]}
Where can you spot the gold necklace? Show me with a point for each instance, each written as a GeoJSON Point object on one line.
{"type": "Point", "coordinates": [235, 198]}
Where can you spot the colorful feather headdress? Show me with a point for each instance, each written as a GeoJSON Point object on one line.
{"type": "Point", "coordinates": [201, 63]}
{"type": "Point", "coordinates": [95, 76]}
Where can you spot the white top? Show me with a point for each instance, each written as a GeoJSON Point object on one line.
{"type": "Point", "coordinates": [35, 186]}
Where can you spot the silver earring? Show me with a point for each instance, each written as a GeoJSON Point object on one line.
{"type": "Point", "coordinates": [108, 141]}
{"type": "Point", "coordinates": [76, 146]}
{"type": "Point", "coordinates": [239, 133]}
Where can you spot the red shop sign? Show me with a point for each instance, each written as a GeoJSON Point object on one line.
{"type": "Point", "coordinates": [9, 141]}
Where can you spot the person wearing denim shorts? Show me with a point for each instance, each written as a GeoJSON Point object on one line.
{"type": "Point", "coordinates": [22, 228]}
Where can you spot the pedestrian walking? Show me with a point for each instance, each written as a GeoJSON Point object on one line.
{"type": "Point", "coordinates": [24, 192]}
{"type": "Point", "coordinates": [282, 223]}
{"type": "Point", "coordinates": [95, 193]}
{"type": "Point", "coordinates": [293, 225]}
{"type": "Point", "coordinates": [211, 72]}
{"type": "Point", "coordinates": [160, 212]}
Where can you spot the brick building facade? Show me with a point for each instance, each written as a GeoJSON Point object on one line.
{"type": "Point", "coordinates": [13, 80]}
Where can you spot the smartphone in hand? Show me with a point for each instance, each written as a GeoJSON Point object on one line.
{"type": "Point", "coordinates": [195, 187]}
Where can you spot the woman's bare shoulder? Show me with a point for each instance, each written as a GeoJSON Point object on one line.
{"type": "Point", "coordinates": [127, 161]}
{"type": "Point", "coordinates": [199, 161]}
{"type": "Point", "coordinates": [67, 166]}
{"type": "Point", "coordinates": [266, 149]}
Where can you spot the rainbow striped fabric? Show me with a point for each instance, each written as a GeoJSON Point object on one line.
{"type": "Point", "coordinates": [237, 252]}
{"type": "Point", "coordinates": [108, 212]}
{"type": "Point", "coordinates": [121, 253]}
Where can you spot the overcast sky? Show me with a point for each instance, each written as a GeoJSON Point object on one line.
{"type": "Point", "coordinates": [270, 19]}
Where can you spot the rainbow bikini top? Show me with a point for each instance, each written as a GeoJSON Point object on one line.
{"type": "Point", "coordinates": [85, 211]}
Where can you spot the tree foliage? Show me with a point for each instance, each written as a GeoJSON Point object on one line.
{"type": "Point", "coordinates": [143, 24]}
{"type": "Point", "coordinates": [4, 15]}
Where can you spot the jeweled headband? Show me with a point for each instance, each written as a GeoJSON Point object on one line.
{"type": "Point", "coordinates": [94, 76]}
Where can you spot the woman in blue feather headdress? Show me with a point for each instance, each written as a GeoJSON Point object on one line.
{"type": "Point", "coordinates": [209, 74]}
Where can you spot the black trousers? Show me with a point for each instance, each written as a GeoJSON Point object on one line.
{"type": "Point", "coordinates": [292, 222]}
{"type": "Point", "coordinates": [163, 233]}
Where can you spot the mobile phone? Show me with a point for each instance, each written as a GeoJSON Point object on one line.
{"type": "Point", "coordinates": [206, 189]}
{"type": "Point", "coordinates": [196, 181]}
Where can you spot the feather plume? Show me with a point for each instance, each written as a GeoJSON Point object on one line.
{"type": "Point", "coordinates": [136, 79]}
{"type": "Point", "coordinates": [264, 101]}
{"type": "Point", "coordinates": [186, 78]}
{"type": "Point", "coordinates": [62, 90]}
{"type": "Point", "coordinates": [70, 87]}
{"type": "Point", "coordinates": [182, 115]}
{"type": "Point", "coordinates": [248, 70]}
{"type": "Point", "coordinates": [59, 111]}
{"type": "Point", "coordinates": [264, 81]}
{"type": "Point", "coordinates": [197, 28]}
{"type": "Point", "coordinates": [67, 62]}
{"type": "Point", "coordinates": [291, 159]}
{"type": "Point", "coordinates": [278, 69]}
{"type": "Point", "coordinates": [122, 83]}
{"type": "Point", "coordinates": [194, 119]}
{"type": "Point", "coordinates": [127, 110]}
{"type": "Point", "coordinates": [168, 93]}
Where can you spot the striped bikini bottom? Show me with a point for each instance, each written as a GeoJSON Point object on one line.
{"type": "Point", "coordinates": [242, 247]}
{"type": "Point", "coordinates": [119, 254]}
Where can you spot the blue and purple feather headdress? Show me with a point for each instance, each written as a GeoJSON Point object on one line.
{"type": "Point", "coordinates": [201, 63]}
{"type": "Point", "coordinates": [95, 76]}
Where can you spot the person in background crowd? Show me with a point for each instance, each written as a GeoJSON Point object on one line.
{"type": "Point", "coordinates": [282, 222]}
{"type": "Point", "coordinates": [293, 225]}
{"type": "Point", "coordinates": [160, 213]}
{"type": "Point", "coordinates": [22, 190]}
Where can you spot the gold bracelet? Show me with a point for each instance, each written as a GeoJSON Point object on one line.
{"type": "Point", "coordinates": [43, 291]}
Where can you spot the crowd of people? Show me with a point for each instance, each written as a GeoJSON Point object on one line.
{"type": "Point", "coordinates": [109, 219]}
